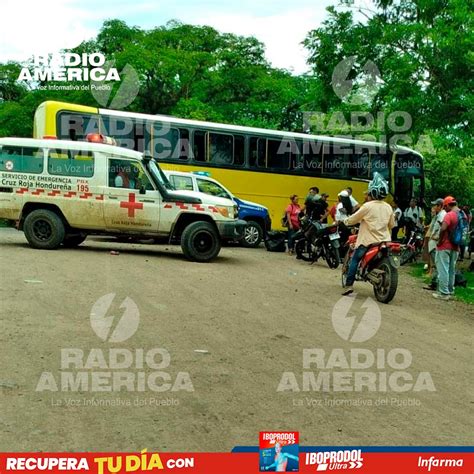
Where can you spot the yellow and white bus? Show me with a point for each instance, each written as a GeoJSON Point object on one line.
{"type": "Point", "coordinates": [264, 166]}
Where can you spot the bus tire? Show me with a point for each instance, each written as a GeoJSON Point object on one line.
{"type": "Point", "coordinates": [253, 235]}
{"type": "Point", "coordinates": [200, 242]}
{"type": "Point", "coordinates": [44, 229]}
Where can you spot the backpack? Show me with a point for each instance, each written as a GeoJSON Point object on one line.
{"type": "Point", "coordinates": [459, 235]}
{"type": "Point", "coordinates": [284, 219]}
{"type": "Point", "coordinates": [460, 279]}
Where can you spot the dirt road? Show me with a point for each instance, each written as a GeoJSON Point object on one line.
{"type": "Point", "coordinates": [251, 314]}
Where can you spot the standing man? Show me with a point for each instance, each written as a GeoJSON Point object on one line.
{"type": "Point", "coordinates": [354, 203]}
{"type": "Point", "coordinates": [324, 208]}
{"type": "Point", "coordinates": [397, 214]}
{"type": "Point", "coordinates": [446, 251]}
{"type": "Point", "coordinates": [433, 237]}
{"type": "Point", "coordinates": [413, 217]}
{"type": "Point", "coordinates": [310, 201]}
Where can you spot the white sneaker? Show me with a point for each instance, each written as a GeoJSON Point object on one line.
{"type": "Point", "coordinates": [441, 296]}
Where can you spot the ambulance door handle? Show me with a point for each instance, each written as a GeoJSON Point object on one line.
{"type": "Point", "coordinates": [146, 200]}
{"type": "Point", "coordinates": [113, 197]}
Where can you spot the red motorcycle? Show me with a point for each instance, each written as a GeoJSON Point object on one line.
{"type": "Point", "coordinates": [379, 266]}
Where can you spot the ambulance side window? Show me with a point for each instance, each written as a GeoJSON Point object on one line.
{"type": "Point", "coordinates": [21, 159]}
{"type": "Point", "coordinates": [181, 182]}
{"type": "Point", "coordinates": [127, 174]}
{"type": "Point", "coordinates": [77, 163]}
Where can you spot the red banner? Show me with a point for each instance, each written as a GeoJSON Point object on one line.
{"type": "Point", "coordinates": [228, 463]}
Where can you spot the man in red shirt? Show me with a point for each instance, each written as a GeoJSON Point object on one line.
{"type": "Point", "coordinates": [447, 252]}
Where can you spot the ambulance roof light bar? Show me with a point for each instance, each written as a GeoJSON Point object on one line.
{"type": "Point", "coordinates": [99, 138]}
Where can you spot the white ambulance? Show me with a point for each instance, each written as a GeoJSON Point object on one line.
{"type": "Point", "coordinates": [58, 192]}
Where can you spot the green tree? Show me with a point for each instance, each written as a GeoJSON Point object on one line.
{"type": "Point", "coordinates": [424, 51]}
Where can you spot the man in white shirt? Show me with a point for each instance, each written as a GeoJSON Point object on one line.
{"type": "Point", "coordinates": [397, 214]}
{"type": "Point", "coordinates": [413, 216]}
{"type": "Point", "coordinates": [433, 237]}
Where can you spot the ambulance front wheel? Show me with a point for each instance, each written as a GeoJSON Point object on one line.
{"type": "Point", "coordinates": [73, 240]}
{"type": "Point", "coordinates": [44, 229]}
{"type": "Point", "coordinates": [200, 242]}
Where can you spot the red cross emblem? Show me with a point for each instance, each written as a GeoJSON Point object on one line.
{"type": "Point", "coordinates": [131, 205]}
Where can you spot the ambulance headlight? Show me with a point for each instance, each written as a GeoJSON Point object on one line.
{"type": "Point", "coordinates": [226, 211]}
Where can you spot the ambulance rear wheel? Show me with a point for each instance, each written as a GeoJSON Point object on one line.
{"type": "Point", "coordinates": [200, 242]}
{"type": "Point", "coordinates": [44, 229]}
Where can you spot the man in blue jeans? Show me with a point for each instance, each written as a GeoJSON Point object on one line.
{"type": "Point", "coordinates": [447, 252]}
{"type": "Point", "coordinates": [376, 221]}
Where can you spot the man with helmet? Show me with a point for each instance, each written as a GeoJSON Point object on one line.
{"type": "Point", "coordinates": [376, 221]}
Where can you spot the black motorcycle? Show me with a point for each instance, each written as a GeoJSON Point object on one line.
{"type": "Point", "coordinates": [412, 248]}
{"type": "Point", "coordinates": [315, 240]}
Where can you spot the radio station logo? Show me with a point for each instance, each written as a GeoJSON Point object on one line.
{"type": "Point", "coordinates": [114, 328]}
{"type": "Point", "coordinates": [279, 451]}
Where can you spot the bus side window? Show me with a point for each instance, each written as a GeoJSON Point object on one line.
{"type": "Point", "coordinates": [76, 127]}
{"type": "Point", "coordinates": [336, 160]}
{"type": "Point", "coordinates": [24, 159]}
{"type": "Point", "coordinates": [257, 152]}
{"type": "Point", "coordinates": [278, 154]}
{"type": "Point", "coordinates": [122, 129]}
{"type": "Point", "coordinates": [296, 159]}
{"type": "Point", "coordinates": [359, 163]}
{"type": "Point", "coordinates": [312, 157]}
{"type": "Point", "coordinates": [165, 141]}
{"type": "Point", "coordinates": [141, 136]}
{"type": "Point", "coordinates": [221, 148]}
{"type": "Point", "coordinates": [182, 149]}
{"type": "Point", "coordinates": [199, 145]}
{"type": "Point", "coordinates": [239, 150]}
{"type": "Point", "coordinates": [380, 162]}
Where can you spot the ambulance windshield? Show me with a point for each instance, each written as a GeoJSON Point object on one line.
{"type": "Point", "coordinates": [159, 176]}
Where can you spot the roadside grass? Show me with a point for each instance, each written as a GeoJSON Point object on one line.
{"type": "Point", "coordinates": [462, 294]}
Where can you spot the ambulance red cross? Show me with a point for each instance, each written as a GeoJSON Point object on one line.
{"type": "Point", "coordinates": [58, 192]}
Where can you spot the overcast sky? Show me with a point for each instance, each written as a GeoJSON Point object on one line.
{"type": "Point", "coordinates": [31, 26]}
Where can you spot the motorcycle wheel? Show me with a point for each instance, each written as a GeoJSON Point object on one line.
{"type": "Point", "coordinates": [386, 291]}
{"type": "Point", "coordinates": [332, 256]}
{"type": "Point", "coordinates": [406, 256]}
{"type": "Point", "coordinates": [302, 252]}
